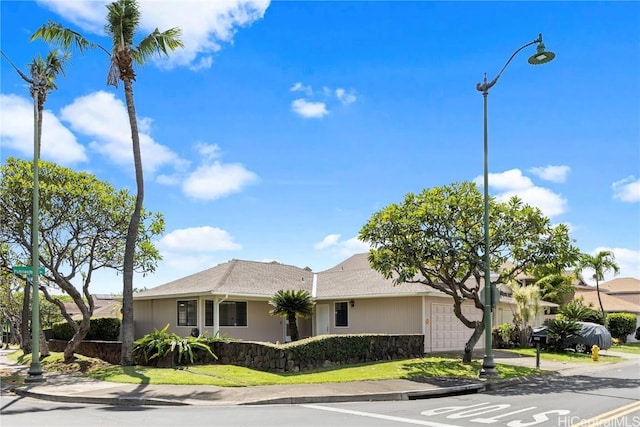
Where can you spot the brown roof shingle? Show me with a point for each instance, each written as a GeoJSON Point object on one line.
{"type": "Point", "coordinates": [236, 277]}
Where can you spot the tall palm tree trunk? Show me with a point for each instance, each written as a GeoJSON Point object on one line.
{"type": "Point", "coordinates": [604, 316]}
{"type": "Point", "coordinates": [132, 233]}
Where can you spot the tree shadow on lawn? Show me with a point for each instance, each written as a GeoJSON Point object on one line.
{"type": "Point", "coordinates": [445, 372]}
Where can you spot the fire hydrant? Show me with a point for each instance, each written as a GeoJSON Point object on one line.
{"type": "Point", "coordinates": [594, 352]}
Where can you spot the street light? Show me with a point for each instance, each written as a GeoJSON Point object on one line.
{"type": "Point", "coordinates": [35, 369]}
{"type": "Point", "coordinates": [541, 56]}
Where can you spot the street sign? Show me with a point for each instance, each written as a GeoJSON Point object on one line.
{"type": "Point", "coordinates": [26, 270]}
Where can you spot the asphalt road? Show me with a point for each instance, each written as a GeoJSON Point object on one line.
{"type": "Point", "coordinates": [608, 398]}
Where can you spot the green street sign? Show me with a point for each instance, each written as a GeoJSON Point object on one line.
{"type": "Point", "coordinates": [26, 270]}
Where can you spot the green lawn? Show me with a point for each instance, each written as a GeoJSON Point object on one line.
{"type": "Point", "coordinates": [568, 356]}
{"type": "Point", "coordinates": [235, 376]}
{"type": "Point", "coordinates": [632, 347]}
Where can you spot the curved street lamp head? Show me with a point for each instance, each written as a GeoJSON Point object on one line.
{"type": "Point", "coordinates": [541, 56]}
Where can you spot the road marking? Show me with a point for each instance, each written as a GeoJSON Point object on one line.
{"type": "Point", "coordinates": [607, 417]}
{"type": "Point", "coordinates": [380, 416]}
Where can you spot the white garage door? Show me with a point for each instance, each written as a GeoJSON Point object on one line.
{"type": "Point", "coordinates": [448, 333]}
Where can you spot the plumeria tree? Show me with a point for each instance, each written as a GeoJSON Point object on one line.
{"type": "Point", "coordinates": [436, 238]}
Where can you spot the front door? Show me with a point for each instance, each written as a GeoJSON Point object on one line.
{"type": "Point", "coordinates": [322, 319]}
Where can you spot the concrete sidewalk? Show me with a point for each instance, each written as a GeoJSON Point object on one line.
{"type": "Point", "coordinates": [79, 389]}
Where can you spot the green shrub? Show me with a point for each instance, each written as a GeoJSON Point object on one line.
{"type": "Point", "coordinates": [100, 329]}
{"type": "Point", "coordinates": [621, 325]}
{"type": "Point", "coordinates": [559, 332]}
{"type": "Point", "coordinates": [159, 344]}
{"type": "Point", "coordinates": [62, 331]}
{"type": "Point", "coordinates": [578, 311]}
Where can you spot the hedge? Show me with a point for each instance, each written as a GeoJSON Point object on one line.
{"type": "Point", "coordinates": [621, 325]}
{"type": "Point", "coordinates": [100, 329]}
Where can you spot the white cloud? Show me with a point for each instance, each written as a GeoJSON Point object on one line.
{"type": "Point", "coordinates": [328, 241]}
{"type": "Point", "coordinates": [198, 239]}
{"type": "Point", "coordinates": [212, 181]}
{"type": "Point", "coordinates": [299, 87]}
{"type": "Point", "coordinates": [309, 109]}
{"type": "Point", "coordinates": [512, 183]}
{"type": "Point", "coordinates": [103, 117]}
{"type": "Point", "coordinates": [627, 190]}
{"type": "Point", "coordinates": [344, 248]}
{"type": "Point", "coordinates": [188, 250]}
{"type": "Point", "coordinates": [346, 97]}
{"type": "Point", "coordinates": [16, 131]}
{"type": "Point", "coordinates": [628, 261]}
{"type": "Point", "coordinates": [552, 173]}
{"type": "Point", "coordinates": [205, 25]}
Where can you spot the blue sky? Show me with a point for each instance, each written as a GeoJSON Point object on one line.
{"type": "Point", "coordinates": [282, 127]}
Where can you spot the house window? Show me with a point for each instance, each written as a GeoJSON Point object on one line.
{"type": "Point", "coordinates": [233, 313]}
{"type": "Point", "coordinates": [342, 314]}
{"type": "Point", "coordinates": [187, 313]}
{"type": "Point", "coordinates": [208, 313]}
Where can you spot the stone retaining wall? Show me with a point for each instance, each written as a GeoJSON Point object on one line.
{"type": "Point", "coordinates": [302, 355]}
{"type": "Point", "coordinates": [315, 353]}
{"type": "Point", "coordinates": [109, 351]}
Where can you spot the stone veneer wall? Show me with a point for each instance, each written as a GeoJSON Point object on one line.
{"type": "Point", "coordinates": [318, 352]}
{"type": "Point", "coordinates": [311, 353]}
{"type": "Point", "coordinates": [109, 351]}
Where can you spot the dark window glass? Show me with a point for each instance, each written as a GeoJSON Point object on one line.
{"type": "Point", "coordinates": [342, 314]}
{"type": "Point", "coordinates": [233, 313]}
{"type": "Point", "coordinates": [208, 313]}
{"type": "Point", "coordinates": [187, 313]}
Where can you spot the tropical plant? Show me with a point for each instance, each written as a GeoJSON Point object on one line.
{"type": "Point", "coordinates": [436, 238]}
{"type": "Point", "coordinates": [506, 335]}
{"type": "Point", "coordinates": [292, 304]}
{"type": "Point", "coordinates": [601, 263]}
{"type": "Point", "coordinates": [527, 299]}
{"type": "Point", "coordinates": [553, 278]}
{"type": "Point", "coordinates": [559, 331]}
{"type": "Point", "coordinates": [621, 325]}
{"type": "Point", "coordinates": [42, 80]}
{"type": "Point", "coordinates": [161, 343]}
{"type": "Point", "coordinates": [123, 20]}
{"type": "Point", "coordinates": [578, 311]}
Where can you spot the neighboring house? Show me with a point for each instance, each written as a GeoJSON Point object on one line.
{"type": "Point", "coordinates": [104, 306]}
{"type": "Point", "coordinates": [233, 299]}
{"type": "Point", "coordinates": [626, 288]}
{"type": "Point", "coordinates": [611, 304]}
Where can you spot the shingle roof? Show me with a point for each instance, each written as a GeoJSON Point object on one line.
{"type": "Point", "coordinates": [354, 277]}
{"type": "Point", "coordinates": [236, 277]}
{"type": "Point", "coordinates": [622, 285]}
{"type": "Point", "coordinates": [610, 303]}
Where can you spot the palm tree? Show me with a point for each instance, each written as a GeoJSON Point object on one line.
{"type": "Point", "coordinates": [46, 70]}
{"type": "Point", "coordinates": [600, 263]}
{"type": "Point", "coordinates": [42, 80]}
{"type": "Point", "coordinates": [123, 19]}
{"type": "Point", "coordinates": [291, 305]}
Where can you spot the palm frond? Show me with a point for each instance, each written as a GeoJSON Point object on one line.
{"type": "Point", "coordinates": [49, 68]}
{"type": "Point", "coordinates": [53, 32]}
{"type": "Point", "coordinates": [123, 18]}
{"type": "Point", "coordinates": [160, 43]}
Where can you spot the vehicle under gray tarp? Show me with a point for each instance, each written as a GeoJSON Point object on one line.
{"type": "Point", "coordinates": [592, 333]}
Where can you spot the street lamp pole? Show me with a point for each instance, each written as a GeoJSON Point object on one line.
{"type": "Point", "coordinates": [35, 369]}
{"type": "Point", "coordinates": [540, 57]}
